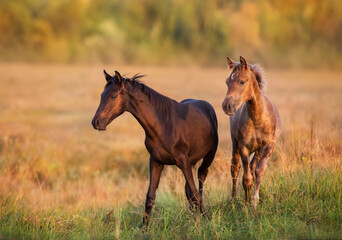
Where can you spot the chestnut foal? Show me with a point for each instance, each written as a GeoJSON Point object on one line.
{"type": "Point", "coordinates": [254, 124]}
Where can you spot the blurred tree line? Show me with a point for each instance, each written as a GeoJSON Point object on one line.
{"type": "Point", "coordinates": [277, 33]}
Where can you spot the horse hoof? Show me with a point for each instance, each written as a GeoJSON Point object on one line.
{"type": "Point", "coordinates": [143, 226]}
{"type": "Point", "coordinates": [255, 201]}
{"type": "Point", "coordinates": [204, 215]}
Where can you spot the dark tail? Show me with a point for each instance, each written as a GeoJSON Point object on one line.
{"type": "Point", "coordinates": [214, 130]}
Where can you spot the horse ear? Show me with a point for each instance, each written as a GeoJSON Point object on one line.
{"type": "Point", "coordinates": [243, 62]}
{"type": "Point", "coordinates": [107, 76]}
{"type": "Point", "coordinates": [118, 77]}
{"type": "Point", "coordinates": [230, 63]}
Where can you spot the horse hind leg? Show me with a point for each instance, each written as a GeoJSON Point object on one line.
{"type": "Point", "coordinates": [202, 175]}
{"type": "Point", "coordinates": [260, 171]}
{"type": "Point", "coordinates": [203, 170]}
{"type": "Point", "coordinates": [192, 192]}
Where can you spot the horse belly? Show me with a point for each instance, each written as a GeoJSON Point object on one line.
{"type": "Point", "coordinates": [200, 146]}
{"type": "Point", "coordinates": [159, 153]}
{"type": "Point", "coordinates": [194, 158]}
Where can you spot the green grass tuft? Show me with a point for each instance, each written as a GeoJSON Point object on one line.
{"type": "Point", "coordinates": [296, 205]}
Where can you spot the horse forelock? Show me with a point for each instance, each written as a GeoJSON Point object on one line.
{"type": "Point", "coordinates": [258, 74]}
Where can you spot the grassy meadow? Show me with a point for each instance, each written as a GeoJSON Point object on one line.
{"type": "Point", "coordinates": [60, 179]}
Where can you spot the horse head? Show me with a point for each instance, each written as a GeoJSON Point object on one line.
{"type": "Point", "coordinates": [114, 101]}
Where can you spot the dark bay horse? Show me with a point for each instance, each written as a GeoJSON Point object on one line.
{"type": "Point", "coordinates": [176, 133]}
{"type": "Point", "coordinates": [254, 124]}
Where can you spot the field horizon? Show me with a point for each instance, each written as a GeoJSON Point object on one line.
{"type": "Point", "coordinates": [61, 179]}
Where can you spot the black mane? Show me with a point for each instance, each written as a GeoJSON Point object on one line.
{"type": "Point", "coordinates": [162, 103]}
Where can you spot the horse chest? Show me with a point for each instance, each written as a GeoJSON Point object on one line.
{"type": "Point", "coordinates": [252, 137]}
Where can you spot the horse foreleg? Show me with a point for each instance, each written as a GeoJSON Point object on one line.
{"type": "Point", "coordinates": [254, 162]}
{"type": "Point", "coordinates": [156, 169]}
{"type": "Point", "coordinates": [260, 171]}
{"type": "Point", "coordinates": [235, 168]}
{"type": "Point", "coordinates": [247, 180]}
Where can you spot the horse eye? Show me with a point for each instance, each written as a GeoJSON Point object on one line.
{"type": "Point", "coordinates": [113, 96]}
{"type": "Point", "coordinates": [242, 82]}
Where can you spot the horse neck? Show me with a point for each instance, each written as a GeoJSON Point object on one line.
{"type": "Point", "coordinates": [145, 110]}
{"type": "Point", "coordinates": [255, 105]}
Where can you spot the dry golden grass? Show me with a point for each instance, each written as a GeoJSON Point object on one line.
{"type": "Point", "coordinates": [50, 156]}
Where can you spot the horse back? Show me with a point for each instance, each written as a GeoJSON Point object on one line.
{"type": "Point", "coordinates": [203, 107]}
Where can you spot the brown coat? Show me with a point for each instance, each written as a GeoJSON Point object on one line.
{"type": "Point", "coordinates": [254, 124]}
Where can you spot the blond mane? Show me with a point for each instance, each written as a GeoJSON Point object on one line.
{"type": "Point", "coordinates": [259, 76]}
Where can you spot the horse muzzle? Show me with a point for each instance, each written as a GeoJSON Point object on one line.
{"type": "Point", "coordinates": [98, 124]}
{"type": "Point", "coordinates": [228, 107]}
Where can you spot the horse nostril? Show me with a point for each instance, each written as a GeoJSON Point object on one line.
{"type": "Point", "coordinates": [97, 123]}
